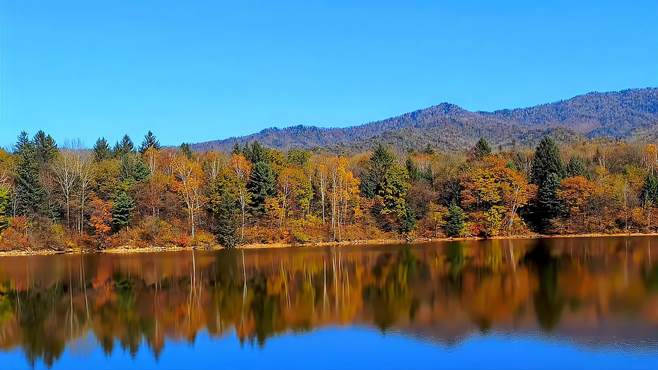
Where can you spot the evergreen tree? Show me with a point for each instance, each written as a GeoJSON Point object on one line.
{"type": "Point", "coordinates": [29, 193]}
{"type": "Point", "coordinates": [122, 209]}
{"type": "Point", "coordinates": [102, 150]}
{"type": "Point", "coordinates": [455, 221]}
{"type": "Point", "coordinates": [223, 207]}
{"type": "Point", "coordinates": [547, 172]}
{"type": "Point", "coordinates": [547, 161]}
{"type": "Point", "coordinates": [262, 184]}
{"type": "Point", "coordinates": [186, 150]}
{"type": "Point", "coordinates": [649, 195]}
{"type": "Point", "coordinates": [150, 141]}
{"type": "Point", "coordinates": [123, 147]}
{"type": "Point", "coordinates": [256, 153]}
{"type": "Point", "coordinates": [547, 207]}
{"type": "Point", "coordinates": [481, 149]}
{"type": "Point", "coordinates": [133, 169]}
{"type": "Point", "coordinates": [5, 211]}
{"type": "Point", "coordinates": [45, 148]}
{"type": "Point", "coordinates": [414, 172]}
{"type": "Point", "coordinates": [576, 167]}
{"type": "Point", "coordinates": [380, 162]}
{"type": "Point", "coordinates": [393, 193]}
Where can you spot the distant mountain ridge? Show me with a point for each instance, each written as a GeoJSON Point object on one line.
{"type": "Point", "coordinates": [628, 114]}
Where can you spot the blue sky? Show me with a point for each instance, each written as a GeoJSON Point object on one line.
{"type": "Point", "coordinates": [202, 70]}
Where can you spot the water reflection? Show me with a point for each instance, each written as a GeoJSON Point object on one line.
{"type": "Point", "coordinates": [591, 291]}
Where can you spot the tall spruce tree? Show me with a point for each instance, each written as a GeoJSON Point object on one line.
{"type": "Point", "coordinates": [102, 150]}
{"type": "Point", "coordinates": [649, 195]}
{"type": "Point", "coordinates": [547, 172]}
{"type": "Point", "coordinates": [262, 184]}
{"type": "Point", "coordinates": [223, 207]}
{"type": "Point", "coordinates": [576, 167]}
{"type": "Point", "coordinates": [123, 147]}
{"type": "Point", "coordinates": [380, 162]}
{"type": "Point", "coordinates": [546, 161]}
{"type": "Point", "coordinates": [455, 221]}
{"type": "Point", "coordinates": [122, 209]}
{"type": "Point", "coordinates": [29, 193]}
{"type": "Point", "coordinates": [150, 141]}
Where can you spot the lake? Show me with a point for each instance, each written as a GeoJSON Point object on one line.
{"type": "Point", "coordinates": [500, 304]}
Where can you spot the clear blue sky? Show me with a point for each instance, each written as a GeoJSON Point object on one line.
{"type": "Point", "coordinates": [202, 70]}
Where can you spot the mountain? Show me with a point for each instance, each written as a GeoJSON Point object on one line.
{"type": "Point", "coordinates": [629, 114]}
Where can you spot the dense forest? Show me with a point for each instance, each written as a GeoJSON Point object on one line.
{"type": "Point", "coordinates": [629, 114]}
{"type": "Point", "coordinates": [65, 198]}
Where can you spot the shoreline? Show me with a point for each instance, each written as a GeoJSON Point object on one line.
{"type": "Point", "coordinates": [365, 243]}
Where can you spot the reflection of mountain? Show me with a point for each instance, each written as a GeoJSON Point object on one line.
{"type": "Point", "coordinates": [592, 292]}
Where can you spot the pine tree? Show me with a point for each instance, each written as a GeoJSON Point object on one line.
{"type": "Point", "coordinates": [133, 169]}
{"type": "Point", "coordinates": [5, 212]}
{"type": "Point", "coordinates": [380, 162]}
{"type": "Point", "coordinates": [102, 150]}
{"type": "Point", "coordinates": [122, 209]}
{"type": "Point", "coordinates": [547, 172]}
{"type": "Point", "coordinates": [223, 207]}
{"type": "Point", "coordinates": [150, 141]}
{"type": "Point", "coordinates": [547, 161]}
{"type": "Point", "coordinates": [186, 150]}
{"type": "Point", "coordinates": [481, 149]}
{"type": "Point", "coordinates": [455, 221]}
{"type": "Point", "coordinates": [393, 193]}
{"type": "Point", "coordinates": [576, 167]}
{"type": "Point", "coordinates": [45, 148]}
{"type": "Point", "coordinates": [649, 195]}
{"type": "Point", "coordinates": [547, 206]}
{"type": "Point", "coordinates": [262, 184]}
{"type": "Point", "coordinates": [29, 193]}
{"type": "Point", "coordinates": [123, 147]}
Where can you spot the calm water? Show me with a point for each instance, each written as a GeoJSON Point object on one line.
{"type": "Point", "coordinates": [576, 303]}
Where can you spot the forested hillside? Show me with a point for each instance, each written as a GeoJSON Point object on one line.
{"type": "Point", "coordinates": [629, 114]}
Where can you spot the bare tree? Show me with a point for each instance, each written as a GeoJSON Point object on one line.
{"type": "Point", "coordinates": [64, 175]}
{"type": "Point", "coordinates": [84, 173]}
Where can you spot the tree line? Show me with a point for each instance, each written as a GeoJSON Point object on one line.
{"type": "Point", "coordinates": [54, 197]}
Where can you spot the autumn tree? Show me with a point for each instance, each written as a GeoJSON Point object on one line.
{"type": "Point", "coordinates": [294, 192]}
{"type": "Point", "coordinates": [575, 193]}
{"type": "Point", "coordinates": [242, 169]}
{"type": "Point", "coordinates": [495, 192]}
{"type": "Point", "coordinates": [63, 168]}
{"type": "Point", "coordinates": [188, 182]}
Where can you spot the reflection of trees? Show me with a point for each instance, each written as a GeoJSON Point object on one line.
{"type": "Point", "coordinates": [138, 300]}
{"type": "Point", "coordinates": [391, 296]}
{"type": "Point", "coordinates": [548, 301]}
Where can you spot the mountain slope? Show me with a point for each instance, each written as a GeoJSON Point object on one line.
{"type": "Point", "coordinates": [627, 114]}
